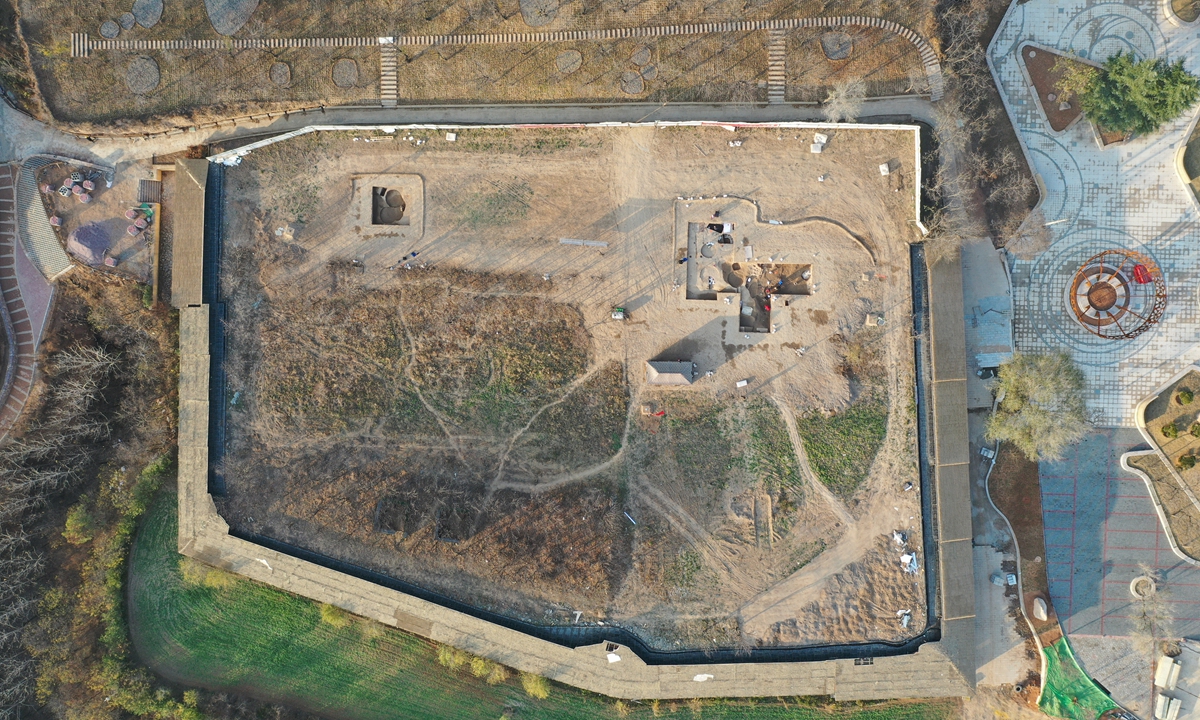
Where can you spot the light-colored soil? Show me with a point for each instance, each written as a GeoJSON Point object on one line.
{"type": "Point", "coordinates": [106, 209]}
{"type": "Point", "coordinates": [715, 67]}
{"type": "Point", "coordinates": [733, 542]}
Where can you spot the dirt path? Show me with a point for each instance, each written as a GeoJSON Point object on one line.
{"type": "Point", "coordinates": [735, 580]}
{"type": "Point", "coordinates": [783, 601]}
{"type": "Point", "coordinates": [512, 441]}
{"type": "Point", "coordinates": [806, 470]}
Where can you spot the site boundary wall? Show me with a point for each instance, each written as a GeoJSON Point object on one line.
{"type": "Point", "coordinates": [930, 664]}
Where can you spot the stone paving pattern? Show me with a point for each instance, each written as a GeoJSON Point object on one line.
{"type": "Point", "coordinates": [25, 299]}
{"type": "Point", "coordinates": [938, 669]}
{"type": "Point", "coordinates": [1130, 195]}
{"type": "Point", "coordinates": [1100, 525]}
{"type": "Point", "coordinates": [82, 44]}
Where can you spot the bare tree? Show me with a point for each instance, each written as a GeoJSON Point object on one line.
{"type": "Point", "coordinates": [1029, 239]}
{"type": "Point", "coordinates": [1152, 621]}
{"type": "Point", "coordinates": [845, 100]}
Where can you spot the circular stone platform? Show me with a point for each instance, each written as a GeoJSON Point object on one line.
{"type": "Point", "coordinates": [569, 61]}
{"type": "Point", "coordinates": [345, 73]}
{"type": "Point", "coordinates": [147, 12]}
{"type": "Point", "coordinates": [127, 20]}
{"type": "Point", "coordinates": [536, 13]}
{"type": "Point", "coordinates": [641, 56]}
{"type": "Point", "coordinates": [281, 74]}
{"type": "Point", "coordinates": [109, 29]}
{"type": "Point", "coordinates": [650, 72]}
{"type": "Point", "coordinates": [228, 16]}
{"type": "Point", "coordinates": [143, 75]}
{"type": "Point", "coordinates": [632, 83]}
{"type": "Point", "coordinates": [837, 45]}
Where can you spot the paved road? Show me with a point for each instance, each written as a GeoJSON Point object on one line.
{"type": "Point", "coordinates": [24, 136]}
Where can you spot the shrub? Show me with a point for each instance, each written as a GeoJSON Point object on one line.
{"type": "Point", "coordinates": [147, 296]}
{"type": "Point", "coordinates": [1195, 429]}
{"type": "Point", "coordinates": [1129, 95]}
{"type": "Point", "coordinates": [334, 615]}
{"type": "Point", "coordinates": [480, 667]}
{"type": "Point", "coordinates": [535, 686]}
{"type": "Point", "coordinates": [1187, 462]}
{"type": "Point", "coordinates": [80, 526]}
{"type": "Point", "coordinates": [1170, 430]}
{"type": "Point", "coordinates": [498, 674]}
{"type": "Point", "coordinates": [1185, 397]}
{"type": "Point", "coordinates": [452, 657]}
{"type": "Point", "coordinates": [196, 574]}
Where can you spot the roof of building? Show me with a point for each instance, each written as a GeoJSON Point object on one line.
{"type": "Point", "coordinates": [669, 372]}
{"type": "Point", "coordinates": [187, 252]}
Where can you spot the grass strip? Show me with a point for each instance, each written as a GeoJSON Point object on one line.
{"type": "Point", "coordinates": [237, 635]}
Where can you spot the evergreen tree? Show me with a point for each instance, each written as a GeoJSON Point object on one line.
{"type": "Point", "coordinates": [1129, 95]}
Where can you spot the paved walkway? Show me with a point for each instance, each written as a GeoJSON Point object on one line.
{"type": "Point", "coordinates": [1100, 525]}
{"type": "Point", "coordinates": [25, 299]}
{"type": "Point", "coordinates": [1125, 196]}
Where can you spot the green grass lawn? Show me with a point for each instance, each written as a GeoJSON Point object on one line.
{"type": "Point", "coordinates": [842, 447]}
{"type": "Point", "coordinates": [241, 636]}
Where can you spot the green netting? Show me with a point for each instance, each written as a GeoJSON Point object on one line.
{"type": "Point", "coordinates": [1069, 692]}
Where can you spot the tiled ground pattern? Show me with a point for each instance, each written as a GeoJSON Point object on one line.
{"type": "Point", "coordinates": [1100, 525]}
{"type": "Point", "coordinates": [1126, 196]}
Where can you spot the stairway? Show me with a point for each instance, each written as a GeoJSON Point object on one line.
{"type": "Point", "coordinates": [776, 65]}
{"type": "Point", "coordinates": [387, 75]}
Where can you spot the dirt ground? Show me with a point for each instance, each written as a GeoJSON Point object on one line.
{"type": "Point", "coordinates": [457, 406]}
{"type": "Point", "coordinates": [134, 253]}
{"type": "Point", "coordinates": [1016, 490]}
{"type": "Point", "coordinates": [712, 67]}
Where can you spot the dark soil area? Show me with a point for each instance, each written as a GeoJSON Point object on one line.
{"type": "Point", "coordinates": [1040, 64]}
{"type": "Point", "coordinates": [1017, 492]}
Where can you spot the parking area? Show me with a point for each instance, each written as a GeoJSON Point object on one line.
{"type": "Point", "coordinates": [1100, 527]}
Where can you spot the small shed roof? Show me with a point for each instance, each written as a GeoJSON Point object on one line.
{"type": "Point", "coordinates": [669, 372]}
{"type": "Point", "coordinates": [89, 243]}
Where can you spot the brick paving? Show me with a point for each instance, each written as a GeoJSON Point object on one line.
{"type": "Point", "coordinates": [1130, 195]}
{"type": "Point", "coordinates": [18, 325]}
{"type": "Point", "coordinates": [1100, 526]}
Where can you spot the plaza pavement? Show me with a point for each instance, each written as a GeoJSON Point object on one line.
{"type": "Point", "coordinates": [1130, 195]}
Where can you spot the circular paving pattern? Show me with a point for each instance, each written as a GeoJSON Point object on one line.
{"type": "Point", "coordinates": [836, 45]}
{"type": "Point", "coordinates": [147, 12]}
{"type": "Point", "coordinates": [536, 13]}
{"type": "Point", "coordinates": [650, 72]}
{"type": "Point", "coordinates": [109, 29]}
{"type": "Point", "coordinates": [281, 74]}
{"type": "Point", "coordinates": [127, 20]}
{"type": "Point", "coordinates": [142, 75]}
{"type": "Point", "coordinates": [641, 56]}
{"type": "Point", "coordinates": [632, 83]}
{"type": "Point", "coordinates": [345, 73]}
{"type": "Point", "coordinates": [1117, 294]}
{"type": "Point", "coordinates": [569, 61]}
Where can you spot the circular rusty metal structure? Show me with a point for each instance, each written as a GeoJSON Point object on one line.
{"type": "Point", "coordinates": [1118, 294]}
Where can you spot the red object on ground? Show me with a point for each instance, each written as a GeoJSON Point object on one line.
{"type": "Point", "coordinates": [660, 413]}
{"type": "Point", "coordinates": [85, 198]}
{"type": "Point", "coordinates": [1141, 274]}
{"type": "Point", "coordinates": [131, 214]}
{"type": "Point", "coordinates": [131, 230]}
